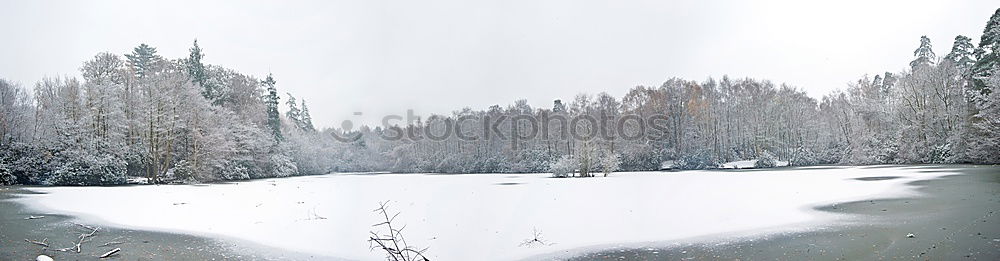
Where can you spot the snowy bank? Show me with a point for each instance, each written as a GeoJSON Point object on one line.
{"type": "Point", "coordinates": [748, 164]}
{"type": "Point", "coordinates": [484, 216]}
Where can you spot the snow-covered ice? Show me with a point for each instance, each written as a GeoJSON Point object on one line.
{"type": "Point", "coordinates": [485, 216]}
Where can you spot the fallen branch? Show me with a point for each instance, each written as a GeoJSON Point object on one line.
{"type": "Point", "coordinates": [40, 243]}
{"type": "Point", "coordinates": [111, 253]}
{"type": "Point", "coordinates": [112, 242]}
{"type": "Point", "coordinates": [66, 249]}
{"type": "Point", "coordinates": [86, 226]}
{"type": "Point", "coordinates": [82, 238]}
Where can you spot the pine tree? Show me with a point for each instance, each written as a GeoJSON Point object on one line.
{"type": "Point", "coordinates": [271, 103]}
{"type": "Point", "coordinates": [196, 70]}
{"type": "Point", "coordinates": [924, 54]}
{"type": "Point", "coordinates": [961, 53]}
{"type": "Point", "coordinates": [558, 106]}
{"type": "Point", "coordinates": [887, 83]}
{"type": "Point", "coordinates": [987, 57]}
{"type": "Point", "coordinates": [293, 113]}
{"type": "Point", "coordinates": [142, 60]}
{"type": "Point", "coordinates": [305, 118]}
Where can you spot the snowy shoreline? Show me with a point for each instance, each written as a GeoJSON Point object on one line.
{"type": "Point", "coordinates": [488, 216]}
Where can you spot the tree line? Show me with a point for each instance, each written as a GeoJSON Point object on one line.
{"type": "Point", "coordinates": [142, 115]}
{"type": "Point", "coordinates": [941, 110]}
{"type": "Point", "coordinates": [180, 120]}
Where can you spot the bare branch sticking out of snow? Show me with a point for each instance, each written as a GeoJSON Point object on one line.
{"type": "Point", "coordinates": [314, 216]}
{"type": "Point", "coordinates": [393, 242]}
{"type": "Point", "coordinates": [535, 240]}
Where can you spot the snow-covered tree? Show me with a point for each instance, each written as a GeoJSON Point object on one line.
{"type": "Point", "coordinates": [294, 114]}
{"type": "Point", "coordinates": [6, 175]}
{"type": "Point", "coordinates": [765, 160]}
{"type": "Point", "coordinates": [16, 113]}
{"type": "Point", "coordinates": [558, 106]}
{"type": "Point", "coordinates": [610, 163]}
{"type": "Point", "coordinates": [961, 54]}
{"type": "Point", "coordinates": [803, 157]}
{"type": "Point", "coordinates": [932, 108]}
{"type": "Point", "coordinates": [986, 145]}
{"type": "Point", "coordinates": [987, 55]}
{"type": "Point", "coordinates": [924, 54]}
{"type": "Point", "coordinates": [199, 74]}
{"type": "Point", "coordinates": [143, 60]}
{"type": "Point", "coordinates": [305, 118]}
{"type": "Point", "coordinates": [564, 167]}
{"type": "Point", "coordinates": [271, 103]}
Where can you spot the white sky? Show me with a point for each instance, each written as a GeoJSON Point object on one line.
{"type": "Point", "coordinates": [434, 56]}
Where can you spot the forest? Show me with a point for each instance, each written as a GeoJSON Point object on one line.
{"type": "Point", "coordinates": [181, 120]}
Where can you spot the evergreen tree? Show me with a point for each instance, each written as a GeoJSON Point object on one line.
{"type": "Point", "coordinates": [987, 57]}
{"type": "Point", "coordinates": [924, 54]}
{"type": "Point", "coordinates": [558, 106]}
{"type": "Point", "coordinates": [305, 118]}
{"type": "Point", "coordinates": [143, 60]}
{"type": "Point", "coordinates": [887, 83]}
{"type": "Point", "coordinates": [293, 113]}
{"type": "Point", "coordinates": [271, 103]}
{"type": "Point", "coordinates": [196, 70]}
{"type": "Point", "coordinates": [961, 53]}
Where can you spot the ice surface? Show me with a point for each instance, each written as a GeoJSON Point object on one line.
{"type": "Point", "coordinates": [484, 216]}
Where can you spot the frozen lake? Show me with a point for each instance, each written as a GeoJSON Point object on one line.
{"type": "Point", "coordinates": [488, 216]}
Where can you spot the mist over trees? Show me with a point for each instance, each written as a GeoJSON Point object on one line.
{"type": "Point", "coordinates": [143, 115]}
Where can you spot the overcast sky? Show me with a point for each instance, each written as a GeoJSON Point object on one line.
{"type": "Point", "coordinates": [384, 57]}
